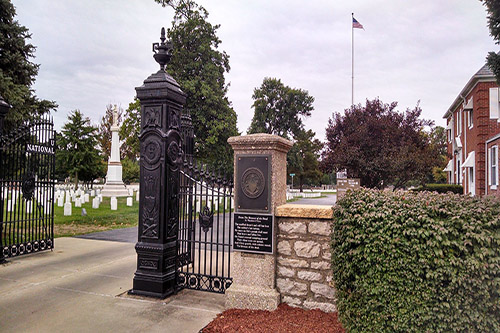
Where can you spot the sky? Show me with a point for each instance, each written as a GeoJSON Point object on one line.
{"type": "Point", "coordinates": [95, 52]}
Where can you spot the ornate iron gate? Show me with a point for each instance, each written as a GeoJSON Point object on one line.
{"type": "Point", "coordinates": [27, 162]}
{"type": "Point", "coordinates": [204, 238]}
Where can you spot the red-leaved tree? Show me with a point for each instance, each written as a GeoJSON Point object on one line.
{"type": "Point", "coordinates": [380, 145]}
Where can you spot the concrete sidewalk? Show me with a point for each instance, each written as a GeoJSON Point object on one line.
{"type": "Point", "coordinates": [81, 287]}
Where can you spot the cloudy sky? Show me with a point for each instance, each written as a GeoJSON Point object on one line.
{"type": "Point", "coordinates": [95, 52]}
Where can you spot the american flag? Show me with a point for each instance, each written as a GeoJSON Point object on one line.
{"type": "Point", "coordinates": [356, 24]}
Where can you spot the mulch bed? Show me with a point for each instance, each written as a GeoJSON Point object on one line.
{"type": "Point", "coordinates": [283, 319]}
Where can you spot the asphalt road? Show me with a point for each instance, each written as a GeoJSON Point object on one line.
{"type": "Point", "coordinates": [129, 235]}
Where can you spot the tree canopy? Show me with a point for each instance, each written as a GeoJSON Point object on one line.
{"type": "Point", "coordinates": [17, 72]}
{"type": "Point", "coordinates": [279, 109]}
{"type": "Point", "coordinates": [302, 159]}
{"type": "Point", "coordinates": [199, 66]}
{"type": "Point", "coordinates": [77, 155]}
{"type": "Point", "coordinates": [493, 9]}
{"type": "Point", "coordinates": [380, 145]}
{"type": "Point", "coordinates": [130, 129]}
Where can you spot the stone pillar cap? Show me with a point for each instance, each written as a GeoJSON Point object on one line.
{"type": "Point", "coordinates": [260, 141]}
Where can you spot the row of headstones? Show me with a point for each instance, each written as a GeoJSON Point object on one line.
{"type": "Point", "coordinates": [96, 201]}
{"type": "Point", "coordinates": [223, 203]}
{"type": "Point", "coordinates": [14, 198]}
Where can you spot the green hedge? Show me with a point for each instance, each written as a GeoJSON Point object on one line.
{"type": "Point", "coordinates": [416, 262]}
{"type": "Point", "coordinates": [441, 188]}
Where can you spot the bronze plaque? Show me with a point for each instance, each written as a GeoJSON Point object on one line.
{"type": "Point", "coordinates": [253, 183]}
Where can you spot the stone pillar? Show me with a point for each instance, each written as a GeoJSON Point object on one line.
{"type": "Point", "coordinates": [162, 101]}
{"type": "Point", "coordinates": [254, 275]}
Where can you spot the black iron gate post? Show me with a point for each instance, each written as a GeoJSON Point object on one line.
{"type": "Point", "coordinates": [4, 108]}
{"type": "Point", "coordinates": [162, 101]}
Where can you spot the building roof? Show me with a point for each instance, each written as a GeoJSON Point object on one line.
{"type": "Point", "coordinates": [484, 74]}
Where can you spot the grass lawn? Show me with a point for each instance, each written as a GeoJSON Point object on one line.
{"type": "Point", "coordinates": [101, 219]}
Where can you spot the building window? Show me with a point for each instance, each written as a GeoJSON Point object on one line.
{"type": "Point", "coordinates": [471, 118]}
{"type": "Point", "coordinates": [494, 166]}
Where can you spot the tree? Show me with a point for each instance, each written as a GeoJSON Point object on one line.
{"type": "Point", "coordinates": [130, 129]}
{"type": "Point", "coordinates": [437, 137]}
{"type": "Point", "coordinates": [380, 145]}
{"type": "Point", "coordinates": [493, 9]}
{"type": "Point", "coordinates": [199, 67]}
{"type": "Point", "coordinates": [104, 130]}
{"type": "Point", "coordinates": [303, 158]}
{"type": "Point", "coordinates": [78, 153]}
{"type": "Point", "coordinates": [17, 72]}
{"type": "Point", "coordinates": [279, 109]}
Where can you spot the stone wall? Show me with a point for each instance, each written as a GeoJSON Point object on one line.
{"type": "Point", "coordinates": [303, 275]}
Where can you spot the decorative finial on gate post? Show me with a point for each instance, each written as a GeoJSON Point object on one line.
{"type": "Point", "coordinates": [162, 51]}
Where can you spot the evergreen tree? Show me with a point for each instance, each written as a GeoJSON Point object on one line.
{"type": "Point", "coordinates": [493, 9]}
{"type": "Point", "coordinates": [17, 72]}
{"type": "Point", "coordinates": [279, 109]}
{"type": "Point", "coordinates": [78, 153]}
{"type": "Point", "coordinates": [199, 67]}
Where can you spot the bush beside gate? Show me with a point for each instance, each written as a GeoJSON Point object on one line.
{"type": "Point", "coordinates": [416, 262]}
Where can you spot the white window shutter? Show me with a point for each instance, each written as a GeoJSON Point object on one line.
{"type": "Point", "coordinates": [489, 166]}
{"type": "Point", "coordinates": [494, 104]}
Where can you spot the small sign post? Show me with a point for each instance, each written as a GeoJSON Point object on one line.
{"type": "Point", "coordinates": [291, 175]}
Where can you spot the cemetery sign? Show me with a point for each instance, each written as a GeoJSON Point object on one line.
{"type": "Point", "coordinates": [253, 233]}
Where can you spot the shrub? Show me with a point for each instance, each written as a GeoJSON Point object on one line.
{"type": "Point", "coordinates": [441, 188]}
{"type": "Point", "coordinates": [416, 262]}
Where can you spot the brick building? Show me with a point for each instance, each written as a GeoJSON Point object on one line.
{"type": "Point", "coordinates": [473, 135]}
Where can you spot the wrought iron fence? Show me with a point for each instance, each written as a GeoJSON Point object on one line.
{"type": "Point", "coordinates": [27, 162]}
{"type": "Point", "coordinates": [204, 238]}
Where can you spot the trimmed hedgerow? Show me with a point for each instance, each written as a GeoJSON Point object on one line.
{"type": "Point", "coordinates": [441, 188]}
{"type": "Point", "coordinates": [416, 262]}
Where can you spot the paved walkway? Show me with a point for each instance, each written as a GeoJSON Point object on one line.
{"type": "Point", "coordinates": [81, 287]}
{"type": "Point", "coordinates": [329, 200]}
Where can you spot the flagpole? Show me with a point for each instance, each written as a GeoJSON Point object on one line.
{"type": "Point", "coordinates": [352, 60]}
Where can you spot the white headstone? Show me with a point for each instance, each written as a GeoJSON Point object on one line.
{"type": "Point", "coordinates": [129, 201]}
{"type": "Point", "coordinates": [67, 209]}
{"type": "Point", "coordinates": [10, 205]}
{"type": "Point", "coordinates": [100, 197]}
{"type": "Point", "coordinates": [137, 196]}
{"type": "Point", "coordinates": [60, 201]}
{"type": "Point", "coordinates": [131, 191]}
{"type": "Point", "coordinates": [92, 193]}
{"type": "Point", "coordinates": [95, 203]}
{"type": "Point", "coordinates": [78, 202]}
{"type": "Point", "coordinates": [29, 206]}
{"type": "Point", "coordinates": [87, 197]}
{"type": "Point", "coordinates": [84, 212]}
{"type": "Point", "coordinates": [114, 203]}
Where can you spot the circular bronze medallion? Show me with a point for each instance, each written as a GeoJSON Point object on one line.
{"type": "Point", "coordinates": [252, 183]}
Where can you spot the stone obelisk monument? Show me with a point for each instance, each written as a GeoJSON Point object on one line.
{"type": "Point", "coordinates": [114, 186]}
